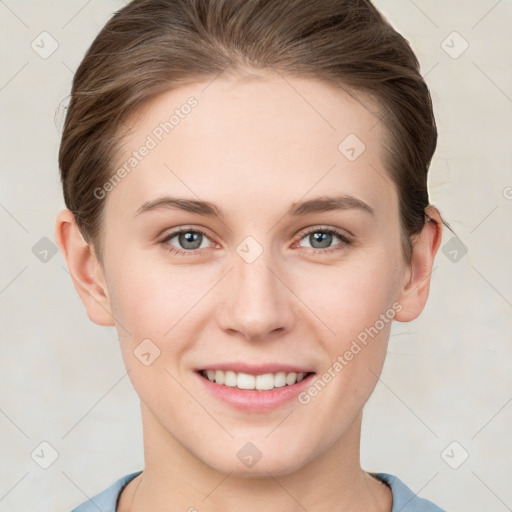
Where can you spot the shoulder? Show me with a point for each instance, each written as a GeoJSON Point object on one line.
{"type": "Point", "coordinates": [404, 499]}
{"type": "Point", "coordinates": [106, 500]}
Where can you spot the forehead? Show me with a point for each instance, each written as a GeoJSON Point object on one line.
{"type": "Point", "coordinates": [269, 138]}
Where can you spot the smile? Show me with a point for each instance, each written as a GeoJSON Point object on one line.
{"type": "Point", "coordinates": [246, 381]}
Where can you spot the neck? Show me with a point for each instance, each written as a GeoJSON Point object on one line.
{"type": "Point", "coordinates": [175, 479]}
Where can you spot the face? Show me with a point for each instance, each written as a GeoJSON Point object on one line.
{"type": "Point", "coordinates": [255, 235]}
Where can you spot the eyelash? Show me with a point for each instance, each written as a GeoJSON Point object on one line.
{"type": "Point", "coordinates": [331, 231]}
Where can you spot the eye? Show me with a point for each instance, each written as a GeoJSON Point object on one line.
{"type": "Point", "coordinates": [320, 239]}
{"type": "Point", "coordinates": [189, 239]}
{"type": "Point", "coordinates": [192, 240]}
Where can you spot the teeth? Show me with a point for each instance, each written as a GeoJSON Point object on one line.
{"type": "Point", "coordinates": [230, 379]}
{"type": "Point", "coordinates": [219, 377]}
{"type": "Point", "coordinates": [279, 379]}
{"type": "Point", "coordinates": [245, 381]}
{"type": "Point", "coordinates": [291, 378]}
{"type": "Point", "coordinates": [263, 382]}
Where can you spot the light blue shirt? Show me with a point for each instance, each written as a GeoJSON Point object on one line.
{"type": "Point", "coordinates": [404, 500]}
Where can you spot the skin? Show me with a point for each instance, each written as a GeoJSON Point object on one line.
{"type": "Point", "coordinates": [254, 147]}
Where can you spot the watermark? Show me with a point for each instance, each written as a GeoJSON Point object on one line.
{"type": "Point", "coordinates": [249, 454]}
{"type": "Point", "coordinates": [146, 352]}
{"type": "Point", "coordinates": [454, 45]}
{"type": "Point", "coordinates": [44, 249]}
{"type": "Point", "coordinates": [152, 140]}
{"type": "Point", "coordinates": [44, 45]}
{"type": "Point", "coordinates": [355, 348]}
{"type": "Point", "coordinates": [455, 455]}
{"type": "Point", "coordinates": [454, 249]}
{"type": "Point", "coordinates": [507, 193]}
{"type": "Point", "coordinates": [249, 249]}
{"type": "Point", "coordinates": [44, 454]}
{"type": "Point", "coordinates": [351, 147]}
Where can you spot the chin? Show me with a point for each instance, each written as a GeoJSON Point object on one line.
{"type": "Point", "coordinates": [241, 465]}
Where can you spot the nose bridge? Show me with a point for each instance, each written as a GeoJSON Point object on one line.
{"type": "Point", "coordinates": [258, 301]}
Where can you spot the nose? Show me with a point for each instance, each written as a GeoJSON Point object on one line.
{"type": "Point", "coordinates": [258, 303]}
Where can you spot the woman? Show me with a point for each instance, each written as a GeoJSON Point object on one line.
{"type": "Point", "coordinates": [246, 192]}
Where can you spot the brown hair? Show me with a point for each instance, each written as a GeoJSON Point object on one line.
{"type": "Point", "coordinates": [151, 46]}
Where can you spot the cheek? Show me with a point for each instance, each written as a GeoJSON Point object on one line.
{"type": "Point", "coordinates": [150, 298]}
{"type": "Point", "coordinates": [350, 298]}
{"type": "Point", "coordinates": [154, 312]}
{"type": "Point", "coordinates": [357, 306]}
{"type": "Point", "coordinates": [360, 313]}
{"type": "Point", "coordinates": [165, 305]}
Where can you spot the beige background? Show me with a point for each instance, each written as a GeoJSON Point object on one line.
{"type": "Point", "coordinates": [448, 374]}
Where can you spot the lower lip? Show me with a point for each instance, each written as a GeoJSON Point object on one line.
{"type": "Point", "coordinates": [253, 400]}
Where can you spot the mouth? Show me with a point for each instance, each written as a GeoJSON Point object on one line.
{"type": "Point", "coordinates": [258, 382]}
{"type": "Point", "coordinates": [257, 389]}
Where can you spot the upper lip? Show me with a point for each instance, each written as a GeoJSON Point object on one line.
{"type": "Point", "coordinates": [256, 369]}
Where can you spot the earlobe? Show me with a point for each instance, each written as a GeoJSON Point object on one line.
{"type": "Point", "coordinates": [414, 293]}
{"type": "Point", "coordinates": [86, 272]}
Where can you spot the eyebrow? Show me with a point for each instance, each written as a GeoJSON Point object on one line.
{"type": "Point", "coordinates": [317, 205]}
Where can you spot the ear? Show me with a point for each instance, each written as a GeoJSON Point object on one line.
{"type": "Point", "coordinates": [414, 292]}
{"type": "Point", "coordinates": [86, 272]}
